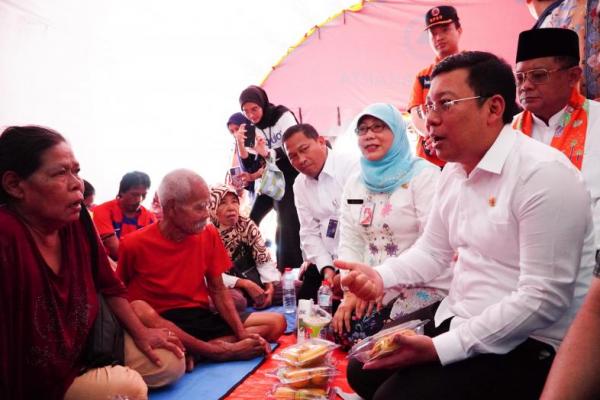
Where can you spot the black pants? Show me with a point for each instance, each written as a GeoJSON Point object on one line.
{"type": "Point", "coordinates": [287, 234]}
{"type": "Point", "coordinates": [519, 374]}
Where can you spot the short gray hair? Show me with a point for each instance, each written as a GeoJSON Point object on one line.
{"type": "Point", "coordinates": [177, 185]}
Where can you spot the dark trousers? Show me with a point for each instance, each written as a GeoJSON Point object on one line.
{"type": "Point", "coordinates": [287, 234]}
{"type": "Point", "coordinates": [519, 374]}
{"type": "Point", "coordinates": [311, 281]}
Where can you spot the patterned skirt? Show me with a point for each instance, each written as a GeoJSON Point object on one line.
{"type": "Point", "coordinates": [408, 301]}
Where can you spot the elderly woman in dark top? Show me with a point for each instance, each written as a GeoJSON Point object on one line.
{"type": "Point", "coordinates": [48, 294]}
{"type": "Point", "coordinates": [246, 247]}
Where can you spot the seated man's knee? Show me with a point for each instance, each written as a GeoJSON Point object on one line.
{"type": "Point", "coordinates": [127, 382]}
{"type": "Point", "coordinates": [107, 383]}
{"type": "Point", "coordinates": [356, 379]}
{"type": "Point", "coordinates": [276, 326]}
{"type": "Point", "coordinates": [280, 326]}
{"type": "Point", "coordinates": [171, 369]}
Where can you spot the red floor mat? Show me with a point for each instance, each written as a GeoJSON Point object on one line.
{"type": "Point", "coordinates": [257, 385]}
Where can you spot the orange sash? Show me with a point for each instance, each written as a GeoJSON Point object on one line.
{"type": "Point", "coordinates": [570, 134]}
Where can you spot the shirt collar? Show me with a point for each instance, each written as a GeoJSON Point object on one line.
{"type": "Point", "coordinates": [328, 167]}
{"type": "Point", "coordinates": [496, 156]}
{"type": "Point", "coordinates": [552, 122]}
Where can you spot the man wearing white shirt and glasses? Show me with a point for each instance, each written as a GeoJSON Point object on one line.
{"type": "Point", "coordinates": [515, 216]}
{"type": "Point", "coordinates": [318, 192]}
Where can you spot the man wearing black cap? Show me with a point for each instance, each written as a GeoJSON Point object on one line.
{"type": "Point", "coordinates": [444, 30]}
{"type": "Point", "coordinates": [548, 75]}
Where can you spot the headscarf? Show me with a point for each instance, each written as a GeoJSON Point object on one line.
{"type": "Point", "coordinates": [217, 194]}
{"type": "Point", "coordinates": [398, 166]}
{"type": "Point", "coordinates": [271, 113]}
{"type": "Point", "coordinates": [238, 119]}
{"type": "Point", "coordinates": [245, 231]}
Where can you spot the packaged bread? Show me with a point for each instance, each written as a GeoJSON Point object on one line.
{"type": "Point", "coordinates": [382, 343]}
{"type": "Point", "coordinates": [288, 393]}
{"type": "Point", "coordinates": [299, 378]}
{"type": "Point", "coordinates": [312, 352]}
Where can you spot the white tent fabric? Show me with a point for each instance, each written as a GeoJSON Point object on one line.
{"type": "Point", "coordinates": [142, 84]}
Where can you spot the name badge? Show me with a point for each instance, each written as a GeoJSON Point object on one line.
{"type": "Point", "coordinates": [355, 201]}
{"type": "Point", "coordinates": [332, 228]}
{"type": "Point", "coordinates": [367, 212]}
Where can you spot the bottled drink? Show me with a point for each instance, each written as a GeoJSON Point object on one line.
{"type": "Point", "coordinates": [324, 296]}
{"type": "Point", "coordinates": [289, 292]}
{"type": "Point", "coordinates": [324, 299]}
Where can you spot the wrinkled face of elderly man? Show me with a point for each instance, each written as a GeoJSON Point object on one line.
{"type": "Point", "coordinates": [186, 207]}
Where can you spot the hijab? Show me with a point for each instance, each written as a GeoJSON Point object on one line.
{"type": "Point", "coordinates": [244, 231]}
{"type": "Point", "coordinates": [271, 113]}
{"type": "Point", "coordinates": [399, 165]}
{"type": "Point", "coordinates": [238, 119]}
{"type": "Point", "coordinates": [217, 194]}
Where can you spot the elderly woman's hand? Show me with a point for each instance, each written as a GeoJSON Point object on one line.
{"type": "Point", "coordinates": [257, 293]}
{"type": "Point", "coordinates": [157, 338]}
{"type": "Point", "coordinates": [268, 299]}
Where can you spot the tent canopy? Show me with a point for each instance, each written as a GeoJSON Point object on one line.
{"type": "Point", "coordinates": [372, 52]}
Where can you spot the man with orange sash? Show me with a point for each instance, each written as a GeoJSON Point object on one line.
{"type": "Point", "coordinates": [548, 75]}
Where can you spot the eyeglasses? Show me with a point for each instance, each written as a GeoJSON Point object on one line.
{"type": "Point", "coordinates": [440, 106]}
{"type": "Point", "coordinates": [536, 76]}
{"type": "Point", "coordinates": [376, 127]}
{"type": "Point", "coordinates": [250, 110]}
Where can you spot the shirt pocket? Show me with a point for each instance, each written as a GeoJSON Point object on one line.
{"type": "Point", "coordinates": [492, 234]}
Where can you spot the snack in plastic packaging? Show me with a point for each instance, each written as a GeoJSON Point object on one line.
{"type": "Point", "coordinates": [382, 343]}
{"type": "Point", "coordinates": [289, 393]}
{"type": "Point", "coordinates": [299, 378]}
{"type": "Point", "coordinates": [309, 353]}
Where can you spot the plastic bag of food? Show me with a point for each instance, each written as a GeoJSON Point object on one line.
{"type": "Point", "coordinates": [382, 343]}
{"type": "Point", "coordinates": [282, 392]}
{"type": "Point", "coordinates": [312, 352]}
{"type": "Point", "coordinates": [299, 378]}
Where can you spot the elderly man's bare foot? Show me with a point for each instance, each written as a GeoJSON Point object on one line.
{"type": "Point", "coordinates": [244, 349]}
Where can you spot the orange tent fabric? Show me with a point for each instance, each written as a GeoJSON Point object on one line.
{"type": "Point", "coordinates": [372, 52]}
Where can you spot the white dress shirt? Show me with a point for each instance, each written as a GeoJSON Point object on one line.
{"type": "Point", "coordinates": [518, 224]}
{"type": "Point", "coordinates": [590, 168]}
{"type": "Point", "coordinates": [318, 202]}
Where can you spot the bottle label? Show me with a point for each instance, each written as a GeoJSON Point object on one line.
{"type": "Point", "coordinates": [324, 300]}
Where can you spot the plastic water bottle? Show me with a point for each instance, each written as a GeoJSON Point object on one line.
{"type": "Point", "coordinates": [324, 301]}
{"type": "Point", "coordinates": [289, 292]}
{"type": "Point", "coordinates": [324, 296]}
